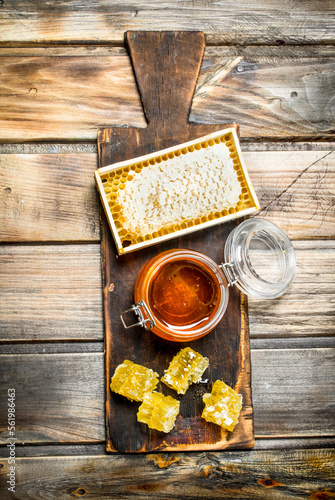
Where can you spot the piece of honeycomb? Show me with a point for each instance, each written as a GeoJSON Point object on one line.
{"type": "Point", "coordinates": [222, 406]}
{"type": "Point", "coordinates": [158, 411]}
{"type": "Point", "coordinates": [177, 190]}
{"type": "Point", "coordinates": [133, 381]}
{"type": "Point", "coordinates": [185, 368]}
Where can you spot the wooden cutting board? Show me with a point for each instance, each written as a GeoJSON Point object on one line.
{"type": "Point", "coordinates": [166, 67]}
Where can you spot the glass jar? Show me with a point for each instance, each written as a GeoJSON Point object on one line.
{"type": "Point", "coordinates": [181, 294]}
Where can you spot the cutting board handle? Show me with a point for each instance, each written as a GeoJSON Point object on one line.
{"type": "Point", "coordinates": [166, 65]}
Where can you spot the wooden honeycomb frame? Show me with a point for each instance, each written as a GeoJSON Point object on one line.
{"type": "Point", "coordinates": [112, 178]}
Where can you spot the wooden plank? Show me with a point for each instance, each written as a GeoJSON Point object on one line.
{"type": "Point", "coordinates": [307, 309]}
{"type": "Point", "coordinates": [296, 190]}
{"type": "Point", "coordinates": [50, 292]}
{"type": "Point", "coordinates": [52, 197]}
{"type": "Point", "coordinates": [291, 390]}
{"type": "Point", "coordinates": [272, 92]}
{"type": "Point", "coordinates": [75, 449]}
{"type": "Point", "coordinates": [60, 397]}
{"type": "Point", "coordinates": [248, 22]}
{"type": "Point", "coordinates": [48, 198]}
{"type": "Point", "coordinates": [166, 67]}
{"type": "Point", "coordinates": [65, 297]}
{"type": "Point", "coordinates": [230, 475]}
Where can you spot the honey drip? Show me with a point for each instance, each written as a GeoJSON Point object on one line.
{"type": "Point", "coordinates": [184, 295]}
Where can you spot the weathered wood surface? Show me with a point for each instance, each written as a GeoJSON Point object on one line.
{"type": "Point", "coordinates": [296, 191]}
{"type": "Point", "coordinates": [53, 89]}
{"type": "Point", "coordinates": [166, 67]}
{"type": "Point", "coordinates": [308, 308]}
{"type": "Point", "coordinates": [245, 22]}
{"type": "Point", "coordinates": [65, 297]}
{"type": "Point", "coordinates": [70, 93]}
{"type": "Point", "coordinates": [60, 397]}
{"type": "Point", "coordinates": [233, 475]}
{"type": "Point", "coordinates": [50, 292]}
{"type": "Point", "coordinates": [52, 197]}
{"type": "Point", "coordinates": [48, 198]}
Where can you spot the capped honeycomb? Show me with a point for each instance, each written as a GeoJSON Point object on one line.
{"type": "Point", "coordinates": [133, 381]}
{"type": "Point", "coordinates": [179, 189]}
{"type": "Point", "coordinates": [222, 406]}
{"type": "Point", "coordinates": [158, 411]}
{"type": "Point", "coordinates": [185, 368]}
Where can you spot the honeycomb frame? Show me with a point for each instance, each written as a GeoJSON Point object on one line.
{"type": "Point", "coordinates": [110, 179]}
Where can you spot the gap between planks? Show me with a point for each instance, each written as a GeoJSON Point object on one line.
{"type": "Point", "coordinates": [82, 346]}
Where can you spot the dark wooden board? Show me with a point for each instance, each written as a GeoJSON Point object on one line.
{"type": "Point", "coordinates": [166, 66]}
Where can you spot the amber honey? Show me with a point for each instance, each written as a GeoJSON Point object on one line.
{"type": "Point", "coordinates": [184, 294]}
{"type": "Point", "coordinates": [184, 291]}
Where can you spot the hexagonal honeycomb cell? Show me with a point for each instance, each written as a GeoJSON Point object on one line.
{"type": "Point", "coordinates": [133, 381]}
{"type": "Point", "coordinates": [176, 190]}
{"type": "Point", "coordinates": [222, 406]}
{"type": "Point", "coordinates": [186, 368]}
{"type": "Point", "coordinates": [158, 411]}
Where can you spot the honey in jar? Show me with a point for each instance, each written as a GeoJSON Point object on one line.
{"type": "Point", "coordinates": [181, 295]}
{"type": "Point", "coordinates": [184, 292]}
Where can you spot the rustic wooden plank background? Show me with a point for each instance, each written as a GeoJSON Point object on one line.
{"type": "Point", "coordinates": [65, 300]}
{"type": "Point", "coordinates": [274, 92]}
{"type": "Point", "coordinates": [65, 74]}
{"type": "Point", "coordinates": [67, 404]}
{"type": "Point", "coordinates": [245, 22]}
{"type": "Point", "coordinates": [51, 197]}
{"type": "Point", "coordinates": [232, 475]}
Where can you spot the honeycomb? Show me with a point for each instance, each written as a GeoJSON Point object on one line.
{"type": "Point", "coordinates": [158, 411]}
{"type": "Point", "coordinates": [185, 368]}
{"type": "Point", "coordinates": [177, 190]}
{"type": "Point", "coordinates": [222, 406]}
{"type": "Point", "coordinates": [133, 381]}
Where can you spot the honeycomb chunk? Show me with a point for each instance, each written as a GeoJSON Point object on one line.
{"type": "Point", "coordinates": [133, 381]}
{"type": "Point", "coordinates": [185, 368]}
{"type": "Point", "coordinates": [158, 411]}
{"type": "Point", "coordinates": [222, 406]}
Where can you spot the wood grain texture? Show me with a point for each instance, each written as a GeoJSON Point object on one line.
{"type": "Point", "coordinates": [166, 67]}
{"type": "Point", "coordinates": [98, 448]}
{"type": "Point", "coordinates": [50, 292]}
{"type": "Point", "coordinates": [273, 92]}
{"type": "Point", "coordinates": [48, 198]}
{"type": "Point", "coordinates": [70, 93]}
{"type": "Point", "coordinates": [65, 295]}
{"type": "Point", "coordinates": [308, 308]}
{"type": "Point", "coordinates": [296, 190]}
{"type": "Point", "coordinates": [231, 475]}
{"type": "Point", "coordinates": [52, 197]}
{"type": "Point", "coordinates": [248, 22]}
{"type": "Point", "coordinates": [60, 397]}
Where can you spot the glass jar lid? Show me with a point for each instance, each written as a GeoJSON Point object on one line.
{"type": "Point", "coordinates": [259, 259]}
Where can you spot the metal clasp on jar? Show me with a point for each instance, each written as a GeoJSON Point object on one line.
{"type": "Point", "coordinates": [229, 272]}
{"type": "Point", "coordinates": [148, 323]}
